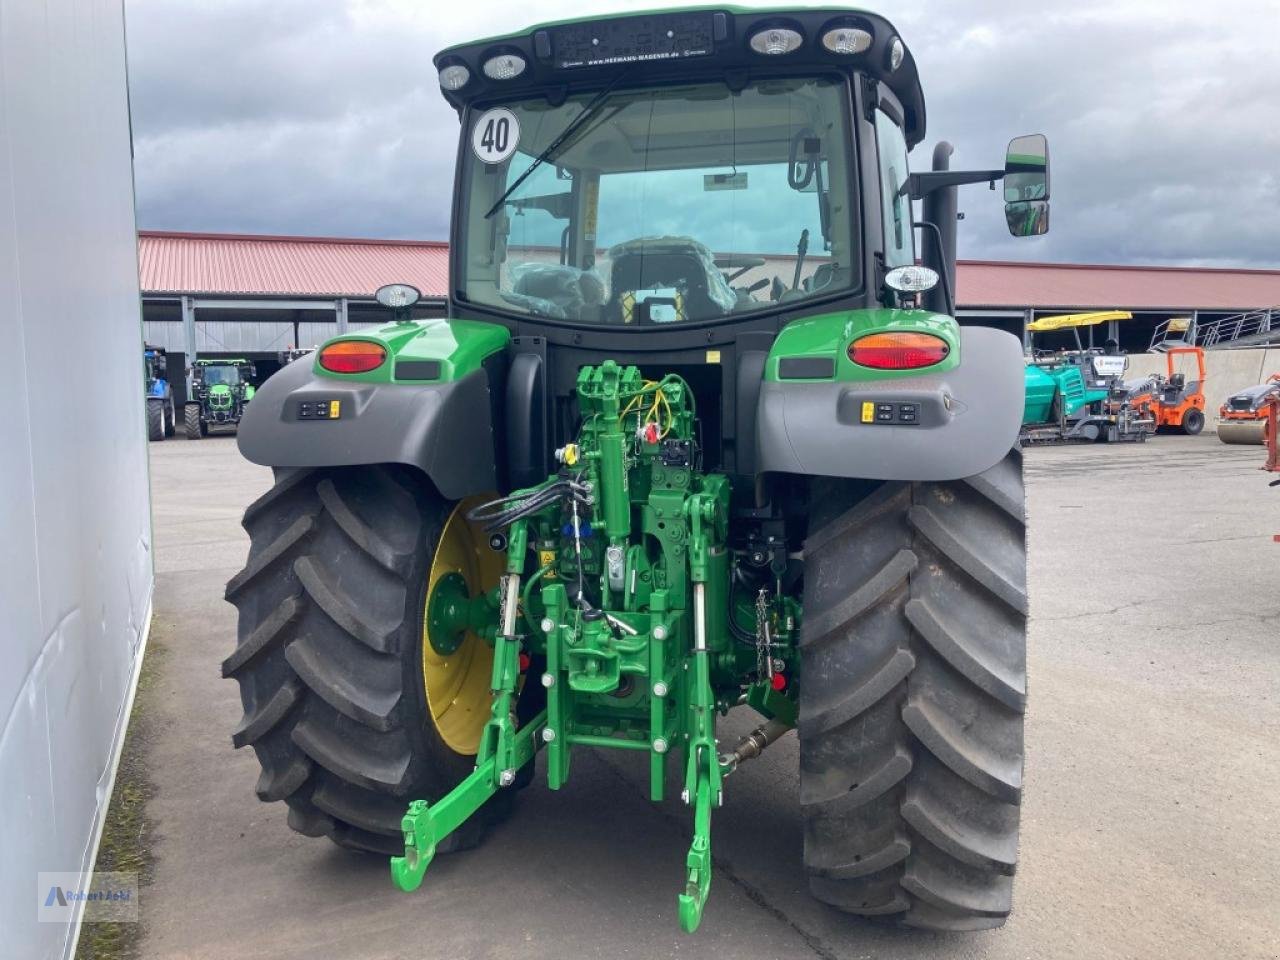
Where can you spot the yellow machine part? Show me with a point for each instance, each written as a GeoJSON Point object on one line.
{"type": "Point", "coordinates": [457, 685]}
{"type": "Point", "coordinates": [1066, 321]}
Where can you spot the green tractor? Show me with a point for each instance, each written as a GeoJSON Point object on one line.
{"type": "Point", "coordinates": [698, 434]}
{"type": "Point", "coordinates": [219, 395]}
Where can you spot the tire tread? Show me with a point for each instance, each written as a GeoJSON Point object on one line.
{"type": "Point", "coordinates": [915, 676]}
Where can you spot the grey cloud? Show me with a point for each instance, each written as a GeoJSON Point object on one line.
{"type": "Point", "coordinates": [324, 118]}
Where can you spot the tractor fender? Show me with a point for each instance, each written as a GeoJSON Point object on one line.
{"type": "Point", "coordinates": [963, 421]}
{"type": "Point", "coordinates": [444, 429]}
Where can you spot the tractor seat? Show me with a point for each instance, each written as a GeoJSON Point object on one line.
{"type": "Point", "coordinates": [643, 268]}
{"type": "Point", "coordinates": [556, 290]}
{"type": "Point", "coordinates": [1173, 390]}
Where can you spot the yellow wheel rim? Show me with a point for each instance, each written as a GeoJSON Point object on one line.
{"type": "Point", "coordinates": [457, 685]}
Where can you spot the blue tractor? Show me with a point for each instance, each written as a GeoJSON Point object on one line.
{"type": "Point", "coordinates": [161, 418]}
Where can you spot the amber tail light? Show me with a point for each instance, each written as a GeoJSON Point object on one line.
{"type": "Point", "coordinates": [353, 356]}
{"type": "Point", "coordinates": [898, 351]}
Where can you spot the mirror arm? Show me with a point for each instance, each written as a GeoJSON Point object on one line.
{"type": "Point", "coordinates": [920, 185]}
{"type": "Point", "coordinates": [948, 298]}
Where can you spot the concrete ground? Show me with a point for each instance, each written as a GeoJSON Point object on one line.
{"type": "Point", "coordinates": [1150, 824]}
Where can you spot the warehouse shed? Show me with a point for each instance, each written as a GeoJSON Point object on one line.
{"type": "Point", "coordinates": [227, 295]}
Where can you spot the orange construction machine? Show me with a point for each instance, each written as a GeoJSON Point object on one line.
{"type": "Point", "coordinates": [1170, 402]}
{"type": "Point", "coordinates": [1243, 418]}
{"type": "Point", "coordinates": [1273, 446]}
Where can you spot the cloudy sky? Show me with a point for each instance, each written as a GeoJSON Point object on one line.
{"type": "Point", "coordinates": [324, 116]}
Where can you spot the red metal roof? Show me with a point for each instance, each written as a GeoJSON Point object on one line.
{"type": "Point", "coordinates": [219, 263]}
{"type": "Point", "coordinates": [232, 264]}
{"type": "Point", "coordinates": [985, 283]}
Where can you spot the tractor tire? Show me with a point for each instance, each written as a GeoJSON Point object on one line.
{"type": "Point", "coordinates": [913, 655]}
{"type": "Point", "coordinates": [170, 419]}
{"type": "Point", "coordinates": [1192, 422]}
{"type": "Point", "coordinates": [195, 426]}
{"type": "Point", "coordinates": [330, 655]}
{"type": "Point", "coordinates": [155, 420]}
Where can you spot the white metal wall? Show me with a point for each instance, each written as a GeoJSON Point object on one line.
{"type": "Point", "coordinates": [75, 528]}
{"type": "Point", "coordinates": [243, 336]}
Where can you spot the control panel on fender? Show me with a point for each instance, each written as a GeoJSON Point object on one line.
{"type": "Point", "coordinates": [900, 414]}
{"type": "Point", "coordinates": [320, 408]}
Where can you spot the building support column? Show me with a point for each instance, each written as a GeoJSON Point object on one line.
{"type": "Point", "coordinates": [189, 337]}
{"type": "Point", "coordinates": [340, 315]}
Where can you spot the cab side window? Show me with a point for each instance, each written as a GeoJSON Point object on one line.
{"type": "Point", "coordinates": [895, 206]}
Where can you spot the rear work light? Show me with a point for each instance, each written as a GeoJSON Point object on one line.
{"type": "Point", "coordinates": [353, 356]}
{"type": "Point", "coordinates": [898, 351]}
{"type": "Point", "coordinates": [774, 41]}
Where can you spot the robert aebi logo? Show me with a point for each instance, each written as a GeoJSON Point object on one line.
{"type": "Point", "coordinates": [61, 897]}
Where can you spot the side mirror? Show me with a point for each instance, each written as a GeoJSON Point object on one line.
{"type": "Point", "coordinates": [1026, 186]}
{"type": "Point", "coordinates": [1026, 169]}
{"type": "Point", "coordinates": [1029, 218]}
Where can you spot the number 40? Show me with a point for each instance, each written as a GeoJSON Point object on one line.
{"type": "Point", "coordinates": [497, 134]}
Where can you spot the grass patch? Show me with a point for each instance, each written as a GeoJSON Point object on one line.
{"type": "Point", "coordinates": [126, 835]}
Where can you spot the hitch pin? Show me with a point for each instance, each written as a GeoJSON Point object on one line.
{"type": "Point", "coordinates": [626, 628]}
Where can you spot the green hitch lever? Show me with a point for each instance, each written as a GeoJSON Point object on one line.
{"type": "Point", "coordinates": [425, 825]}
{"type": "Point", "coordinates": [698, 864]}
{"type": "Point", "coordinates": [702, 772]}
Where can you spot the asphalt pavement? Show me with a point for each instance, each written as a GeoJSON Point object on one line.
{"type": "Point", "coordinates": [1150, 824]}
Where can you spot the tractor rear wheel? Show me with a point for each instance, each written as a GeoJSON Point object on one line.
{"type": "Point", "coordinates": [191, 417]}
{"type": "Point", "coordinates": [350, 710]}
{"type": "Point", "coordinates": [170, 419]}
{"type": "Point", "coordinates": [914, 662]}
{"type": "Point", "coordinates": [1192, 422]}
{"type": "Point", "coordinates": [155, 420]}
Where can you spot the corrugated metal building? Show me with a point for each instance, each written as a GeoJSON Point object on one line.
{"type": "Point", "coordinates": [254, 296]}
{"type": "Point", "coordinates": [258, 295]}
{"type": "Point", "coordinates": [76, 569]}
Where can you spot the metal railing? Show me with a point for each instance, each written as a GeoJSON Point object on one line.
{"type": "Point", "coordinates": [1253, 327]}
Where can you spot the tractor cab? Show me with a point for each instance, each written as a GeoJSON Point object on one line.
{"type": "Point", "coordinates": [675, 188]}
{"type": "Point", "coordinates": [155, 369]}
{"type": "Point", "coordinates": [231, 374]}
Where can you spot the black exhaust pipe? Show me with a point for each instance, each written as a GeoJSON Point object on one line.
{"type": "Point", "coordinates": [938, 249]}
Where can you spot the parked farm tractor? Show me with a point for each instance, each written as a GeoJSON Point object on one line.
{"type": "Point", "coordinates": [697, 434]}
{"type": "Point", "coordinates": [220, 394]}
{"type": "Point", "coordinates": [161, 418]}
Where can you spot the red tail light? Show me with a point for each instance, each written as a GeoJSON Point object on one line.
{"type": "Point", "coordinates": [898, 351]}
{"type": "Point", "coordinates": [353, 356]}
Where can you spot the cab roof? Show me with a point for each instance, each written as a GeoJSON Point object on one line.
{"type": "Point", "coordinates": [677, 43]}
